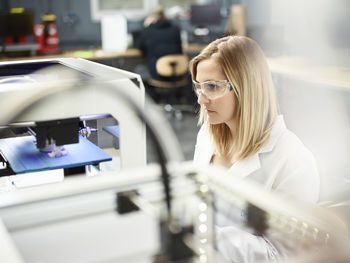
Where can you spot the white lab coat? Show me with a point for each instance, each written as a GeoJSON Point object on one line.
{"type": "Point", "coordinates": [283, 164]}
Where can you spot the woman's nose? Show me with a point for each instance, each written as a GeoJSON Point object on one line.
{"type": "Point", "coordinates": [202, 99]}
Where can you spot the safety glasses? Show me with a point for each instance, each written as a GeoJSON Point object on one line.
{"type": "Point", "coordinates": [212, 89]}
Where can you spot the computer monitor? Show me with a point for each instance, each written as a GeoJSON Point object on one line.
{"type": "Point", "coordinates": [205, 15]}
{"type": "Point", "coordinates": [16, 24]}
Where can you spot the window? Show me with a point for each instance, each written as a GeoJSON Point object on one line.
{"type": "Point", "coordinates": [131, 9]}
{"type": "Point", "coordinates": [185, 4]}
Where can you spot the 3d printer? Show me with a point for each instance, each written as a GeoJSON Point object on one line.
{"type": "Point", "coordinates": [61, 128]}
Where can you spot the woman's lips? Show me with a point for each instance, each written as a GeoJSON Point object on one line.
{"type": "Point", "coordinates": [209, 111]}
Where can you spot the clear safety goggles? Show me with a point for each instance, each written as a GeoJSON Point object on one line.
{"type": "Point", "coordinates": [212, 89]}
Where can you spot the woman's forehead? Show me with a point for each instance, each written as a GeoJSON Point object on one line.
{"type": "Point", "coordinates": [210, 64]}
{"type": "Point", "coordinates": [209, 69]}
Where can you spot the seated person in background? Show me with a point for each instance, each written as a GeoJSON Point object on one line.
{"type": "Point", "coordinates": [242, 131]}
{"type": "Point", "coordinates": [159, 37]}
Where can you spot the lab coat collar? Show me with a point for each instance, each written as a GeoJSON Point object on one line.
{"type": "Point", "coordinates": [246, 166]}
{"type": "Point", "coordinates": [252, 163]}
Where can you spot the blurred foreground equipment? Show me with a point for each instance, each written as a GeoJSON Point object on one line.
{"type": "Point", "coordinates": [146, 213]}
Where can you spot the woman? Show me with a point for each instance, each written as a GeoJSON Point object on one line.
{"type": "Point", "coordinates": [242, 131]}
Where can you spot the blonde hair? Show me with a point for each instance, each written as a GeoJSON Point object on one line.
{"type": "Point", "coordinates": [245, 67]}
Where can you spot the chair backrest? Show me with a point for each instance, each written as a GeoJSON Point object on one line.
{"type": "Point", "coordinates": [172, 65]}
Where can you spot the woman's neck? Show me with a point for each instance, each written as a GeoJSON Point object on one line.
{"type": "Point", "coordinates": [232, 125]}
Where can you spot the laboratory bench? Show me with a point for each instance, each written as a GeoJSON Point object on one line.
{"type": "Point", "coordinates": [126, 60]}
{"type": "Point", "coordinates": [297, 67]}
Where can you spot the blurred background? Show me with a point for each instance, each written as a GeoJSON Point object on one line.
{"type": "Point", "coordinates": [307, 47]}
{"type": "Point", "coordinates": [306, 43]}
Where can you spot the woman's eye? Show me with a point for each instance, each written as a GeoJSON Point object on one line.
{"type": "Point", "coordinates": [210, 87]}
